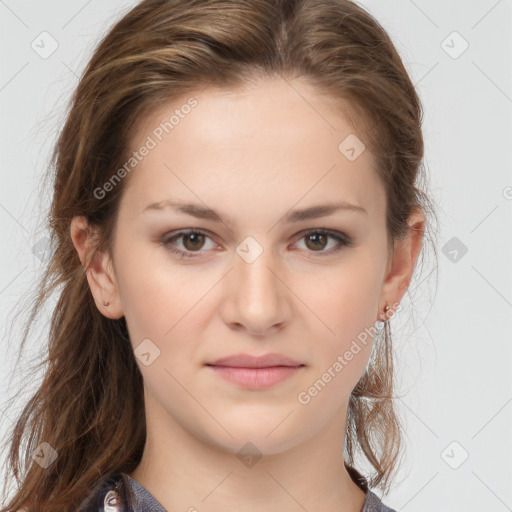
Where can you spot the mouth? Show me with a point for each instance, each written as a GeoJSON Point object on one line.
{"type": "Point", "coordinates": [255, 372]}
{"type": "Point", "coordinates": [255, 378]}
{"type": "Point", "coordinates": [256, 362]}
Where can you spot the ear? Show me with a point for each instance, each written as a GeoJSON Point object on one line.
{"type": "Point", "coordinates": [401, 265]}
{"type": "Point", "coordinates": [98, 266]}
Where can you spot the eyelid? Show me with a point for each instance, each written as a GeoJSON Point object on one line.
{"type": "Point", "coordinates": [168, 237]}
{"type": "Point", "coordinates": [331, 232]}
{"type": "Point", "coordinates": [342, 238]}
{"type": "Point", "coordinates": [344, 241]}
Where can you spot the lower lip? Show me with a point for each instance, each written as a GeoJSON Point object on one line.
{"type": "Point", "coordinates": [256, 378]}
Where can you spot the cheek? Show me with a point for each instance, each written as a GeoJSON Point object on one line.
{"type": "Point", "coordinates": [348, 301]}
{"type": "Point", "coordinates": [156, 297]}
{"type": "Point", "coordinates": [348, 309]}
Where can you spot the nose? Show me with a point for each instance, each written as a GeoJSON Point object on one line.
{"type": "Point", "coordinates": [256, 296]}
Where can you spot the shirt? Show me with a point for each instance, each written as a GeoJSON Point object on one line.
{"type": "Point", "coordinates": [146, 502]}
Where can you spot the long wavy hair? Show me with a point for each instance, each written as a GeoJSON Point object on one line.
{"type": "Point", "coordinates": [89, 407]}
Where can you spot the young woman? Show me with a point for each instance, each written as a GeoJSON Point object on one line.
{"type": "Point", "coordinates": [236, 216]}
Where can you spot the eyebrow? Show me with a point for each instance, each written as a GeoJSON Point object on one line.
{"type": "Point", "coordinates": [201, 212]}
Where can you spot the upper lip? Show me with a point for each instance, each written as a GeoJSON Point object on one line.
{"type": "Point", "coordinates": [249, 361]}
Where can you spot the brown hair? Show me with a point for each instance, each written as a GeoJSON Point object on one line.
{"type": "Point", "coordinates": [89, 406]}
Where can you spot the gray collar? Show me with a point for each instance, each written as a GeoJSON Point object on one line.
{"type": "Point", "coordinates": [146, 502]}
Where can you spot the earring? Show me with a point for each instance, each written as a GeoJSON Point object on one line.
{"type": "Point", "coordinates": [106, 303]}
{"type": "Point", "coordinates": [379, 324]}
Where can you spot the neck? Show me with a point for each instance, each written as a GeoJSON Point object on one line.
{"type": "Point", "coordinates": [184, 472]}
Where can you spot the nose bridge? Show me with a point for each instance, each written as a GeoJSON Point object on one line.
{"type": "Point", "coordinates": [258, 294]}
{"type": "Point", "coordinates": [256, 266]}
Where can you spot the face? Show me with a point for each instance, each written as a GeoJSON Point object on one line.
{"type": "Point", "coordinates": [274, 269]}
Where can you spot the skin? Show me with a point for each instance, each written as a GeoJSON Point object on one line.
{"type": "Point", "coordinates": [252, 155]}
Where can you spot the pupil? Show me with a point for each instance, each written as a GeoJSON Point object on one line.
{"type": "Point", "coordinates": [315, 237]}
{"type": "Point", "coordinates": [194, 237]}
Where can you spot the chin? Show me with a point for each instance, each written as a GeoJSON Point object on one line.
{"type": "Point", "coordinates": [249, 440]}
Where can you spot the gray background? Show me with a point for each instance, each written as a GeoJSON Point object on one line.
{"type": "Point", "coordinates": [453, 335]}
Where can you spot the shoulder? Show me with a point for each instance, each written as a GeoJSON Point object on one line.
{"type": "Point", "coordinates": [374, 504]}
{"type": "Point", "coordinates": [105, 495]}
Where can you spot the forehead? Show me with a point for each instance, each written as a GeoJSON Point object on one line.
{"type": "Point", "coordinates": [212, 114]}
{"type": "Point", "coordinates": [276, 140]}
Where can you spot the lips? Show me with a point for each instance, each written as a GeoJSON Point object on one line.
{"type": "Point", "coordinates": [250, 361]}
{"type": "Point", "coordinates": [255, 372]}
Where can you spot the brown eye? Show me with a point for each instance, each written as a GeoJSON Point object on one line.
{"type": "Point", "coordinates": [188, 243]}
{"type": "Point", "coordinates": [316, 241]}
{"type": "Point", "coordinates": [193, 241]}
{"type": "Point", "coordinates": [324, 242]}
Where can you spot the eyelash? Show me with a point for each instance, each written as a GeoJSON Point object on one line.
{"type": "Point", "coordinates": [344, 241]}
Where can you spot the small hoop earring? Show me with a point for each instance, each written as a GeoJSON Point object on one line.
{"type": "Point", "coordinates": [385, 320]}
{"type": "Point", "coordinates": [379, 324]}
